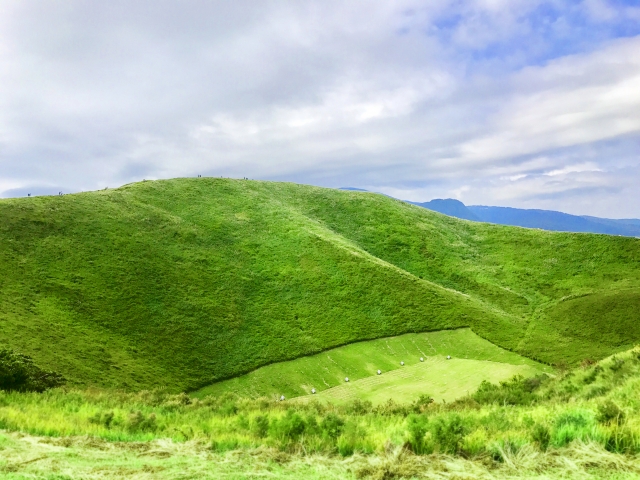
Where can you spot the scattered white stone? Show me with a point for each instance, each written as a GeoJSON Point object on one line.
{"type": "Point", "coordinates": [281, 398]}
{"type": "Point", "coordinates": [313, 390]}
{"type": "Point", "coordinates": [379, 372]}
{"type": "Point", "coordinates": [421, 359]}
{"type": "Point", "coordinates": [448, 357]}
{"type": "Point", "coordinates": [401, 363]}
{"type": "Point", "coordinates": [346, 379]}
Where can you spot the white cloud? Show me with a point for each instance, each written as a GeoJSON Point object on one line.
{"type": "Point", "coordinates": [573, 101]}
{"type": "Point", "coordinates": [417, 99]}
{"type": "Point", "coordinates": [583, 167]}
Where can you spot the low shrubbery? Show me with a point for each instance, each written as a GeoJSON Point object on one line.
{"type": "Point", "coordinates": [19, 373]}
{"type": "Point", "coordinates": [517, 391]}
{"type": "Point", "coordinates": [496, 421]}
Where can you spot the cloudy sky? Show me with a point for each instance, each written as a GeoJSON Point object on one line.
{"type": "Point", "coordinates": [524, 103]}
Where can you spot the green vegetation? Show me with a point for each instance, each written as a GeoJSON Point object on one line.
{"type": "Point", "coordinates": [584, 423]}
{"type": "Point", "coordinates": [446, 380]}
{"type": "Point", "coordinates": [474, 359]}
{"type": "Point", "coordinates": [191, 281]}
{"type": "Point", "coordinates": [19, 373]}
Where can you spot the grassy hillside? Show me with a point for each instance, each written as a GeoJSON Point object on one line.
{"type": "Point", "coordinates": [474, 360]}
{"type": "Point", "coordinates": [189, 281]}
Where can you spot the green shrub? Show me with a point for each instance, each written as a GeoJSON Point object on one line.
{"type": "Point", "coordinates": [517, 391]}
{"type": "Point", "coordinates": [228, 409]}
{"type": "Point", "coordinates": [591, 377]}
{"type": "Point", "coordinates": [332, 426]}
{"type": "Point", "coordinates": [501, 449]}
{"type": "Point", "coordinates": [390, 408]}
{"type": "Point", "coordinates": [102, 419]}
{"type": "Point", "coordinates": [138, 422]}
{"type": "Point", "coordinates": [417, 429]}
{"type": "Point", "coordinates": [242, 422]}
{"type": "Point", "coordinates": [260, 426]}
{"type": "Point", "coordinates": [19, 373]}
{"type": "Point", "coordinates": [422, 403]}
{"type": "Point", "coordinates": [573, 418]}
{"type": "Point", "coordinates": [289, 427]}
{"type": "Point", "coordinates": [622, 440]}
{"type": "Point", "coordinates": [449, 433]}
{"type": "Point", "coordinates": [311, 425]}
{"type": "Point", "coordinates": [345, 447]}
{"type": "Point", "coordinates": [616, 364]}
{"type": "Point", "coordinates": [496, 421]}
{"type": "Point", "coordinates": [225, 445]}
{"type": "Point", "coordinates": [351, 436]}
{"type": "Point", "coordinates": [609, 412]}
{"type": "Point", "coordinates": [596, 392]}
{"type": "Point", "coordinates": [541, 436]}
{"type": "Point", "coordinates": [570, 426]}
{"type": "Point", "coordinates": [359, 407]}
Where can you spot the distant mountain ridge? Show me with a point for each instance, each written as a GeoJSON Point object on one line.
{"type": "Point", "coordinates": [451, 207]}
{"type": "Point", "coordinates": [543, 219]}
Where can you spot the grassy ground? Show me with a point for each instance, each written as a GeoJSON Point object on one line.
{"type": "Point", "coordinates": [28, 457]}
{"type": "Point", "coordinates": [190, 281]}
{"type": "Point", "coordinates": [445, 380]}
{"type": "Point", "coordinates": [360, 362]}
{"type": "Point", "coordinates": [584, 423]}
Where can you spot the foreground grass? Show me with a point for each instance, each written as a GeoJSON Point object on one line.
{"type": "Point", "coordinates": [584, 422]}
{"type": "Point", "coordinates": [28, 457]}
{"type": "Point", "coordinates": [187, 282]}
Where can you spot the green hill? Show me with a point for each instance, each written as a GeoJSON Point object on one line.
{"type": "Point", "coordinates": [190, 281]}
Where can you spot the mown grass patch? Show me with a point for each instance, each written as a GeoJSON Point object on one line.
{"type": "Point", "coordinates": [362, 360]}
{"type": "Point", "coordinates": [444, 380]}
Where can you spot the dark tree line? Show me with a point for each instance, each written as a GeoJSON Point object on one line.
{"type": "Point", "coordinates": [19, 373]}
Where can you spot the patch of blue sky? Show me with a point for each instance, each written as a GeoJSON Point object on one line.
{"type": "Point", "coordinates": [545, 32]}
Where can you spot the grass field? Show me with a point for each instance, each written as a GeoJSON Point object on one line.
{"type": "Point", "coordinates": [187, 282]}
{"type": "Point", "coordinates": [583, 423]}
{"type": "Point", "coordinates": [444, 380]}
{"type": "Point", "coordinates": [28, 457]}
{"type": "Point", "coordinates": [474, 360]}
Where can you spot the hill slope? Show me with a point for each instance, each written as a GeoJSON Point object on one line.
{"type": "Point", "coordinates": [189, 281]}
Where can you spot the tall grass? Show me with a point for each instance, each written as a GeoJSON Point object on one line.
{"type": "Point", "coordinates": [495, 421]}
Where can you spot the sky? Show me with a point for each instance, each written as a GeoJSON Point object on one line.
{"type": "Point", "coordinates": [521, 103]}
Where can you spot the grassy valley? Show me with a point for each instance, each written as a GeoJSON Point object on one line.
{"type": "Point", "coordinates": [150, 331]}
{"type": "Point", "coordinates": [186, 282]}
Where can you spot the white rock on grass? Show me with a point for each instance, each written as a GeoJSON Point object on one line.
{"type": "Point", "coordinates": [346, 379]}
{"type": "Point", "coordinates": [313, 390]}
{"type": "Point", "coordinates": [448, 357]}
{"type": "Point", "coordinates": [281, 398]}
{"type": "Point", "coordinates": [379, 372]}
{"type": "Point", "coordinates": [401, 363]}
{"type": "Point", "coordinates": [421, 359]}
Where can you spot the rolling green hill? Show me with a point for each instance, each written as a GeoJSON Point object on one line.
{"type": "Point", "coordinates": [190, 281]}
